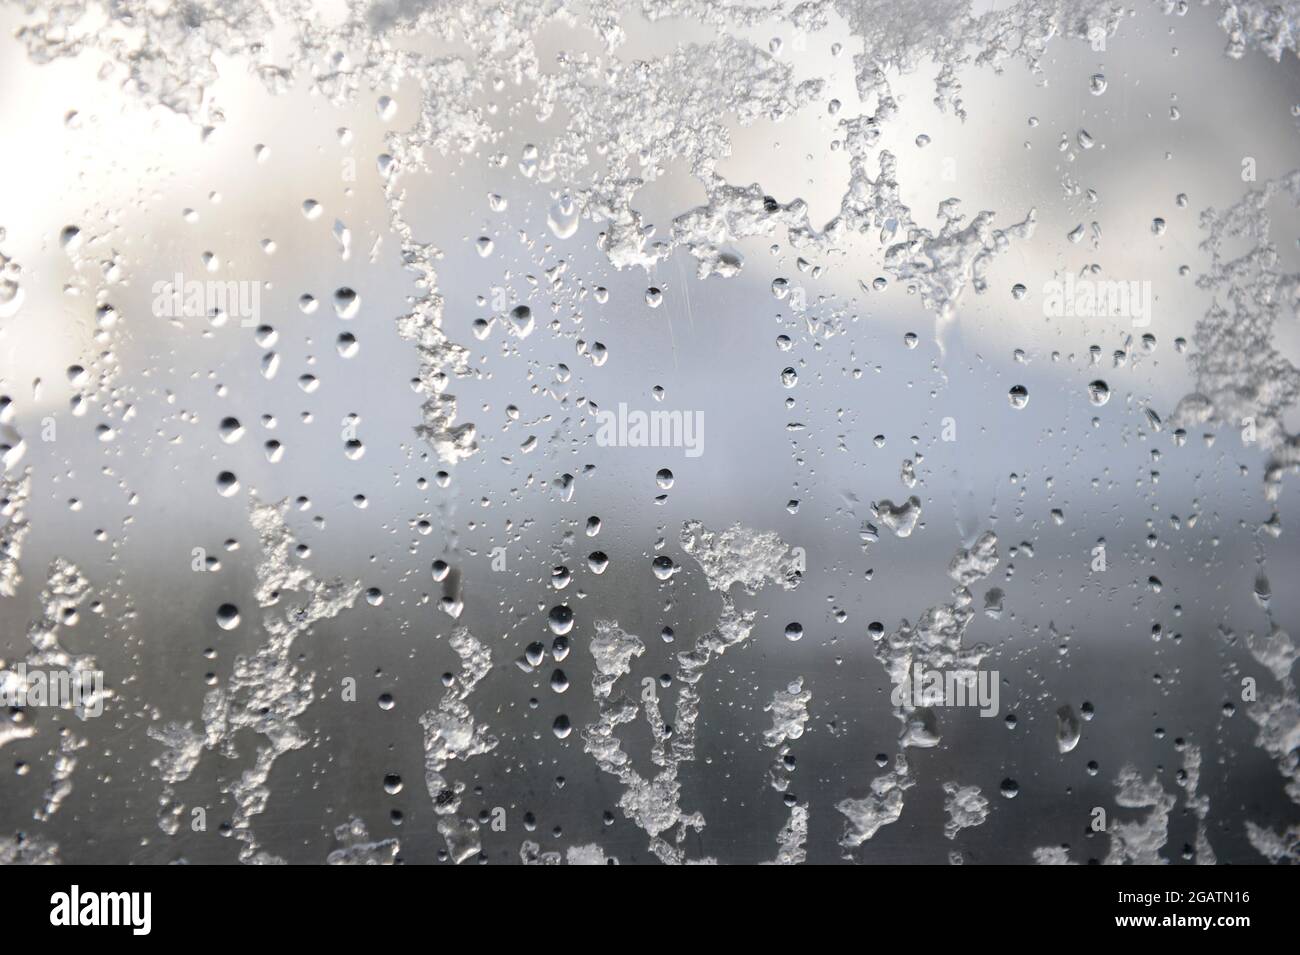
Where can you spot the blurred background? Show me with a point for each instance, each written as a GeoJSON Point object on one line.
{"type": "Point", "coordinates": [127, 485]}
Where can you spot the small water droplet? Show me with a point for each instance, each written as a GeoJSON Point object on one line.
{"type": "Point", "coordinates": [561, 727]}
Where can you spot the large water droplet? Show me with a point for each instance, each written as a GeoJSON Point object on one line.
{"type": "Point", "coordinates": [227, 616]}
{"type": "Point", "coordinates": [560, 619]}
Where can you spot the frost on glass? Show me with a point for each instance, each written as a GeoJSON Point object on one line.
{"type": "Point", "coordinates": [662, 431]}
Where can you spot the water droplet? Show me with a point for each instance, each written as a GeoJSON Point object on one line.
{"type": "Point", "coordinates": [521, 320]}
{"type": "Point", "coordinates": [227, 616]}
{"type": "Point", "coordinates": [346, 302]}
{"type": "Point", "coordinates": [560, 619]}
{"type": "Point", "coordinates": [562, 218]}
{"type": "Point", "coordinates": [1067, 729]}
{"type": "Point", "coordinates": [535, 653]}
{"type": "Point", "coordinates": [231, 430]}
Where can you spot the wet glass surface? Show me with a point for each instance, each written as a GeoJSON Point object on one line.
{"type": "Point", "coordinates": [652, 432]}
